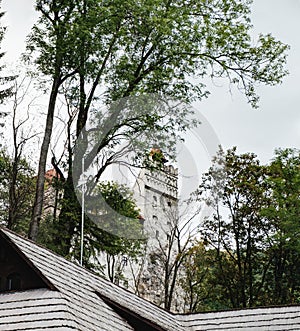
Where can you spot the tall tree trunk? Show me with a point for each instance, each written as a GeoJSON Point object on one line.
{"type": "Point", "coordinates": [68, 220]}
{"type": "Point", "coordinates": [12, 197]}
{"type": "Point", "coordinates": [70, 213]}
{"type": "Point", "coordinates": [39, 196]}
{"type": "Point", "coordinates": [13, 181]}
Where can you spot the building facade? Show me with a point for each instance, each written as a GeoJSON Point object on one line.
{"type": "Point", "coordinates": [156, 195]}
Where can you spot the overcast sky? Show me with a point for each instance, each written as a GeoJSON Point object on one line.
{"type": "Point", "coordinates": [275, 124]}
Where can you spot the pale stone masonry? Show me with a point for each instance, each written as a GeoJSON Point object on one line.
{"type": "Point", "coordinates": [156, 194]}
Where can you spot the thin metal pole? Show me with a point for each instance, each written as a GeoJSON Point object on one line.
{"type": "Point", "coordinates": [82, 213]}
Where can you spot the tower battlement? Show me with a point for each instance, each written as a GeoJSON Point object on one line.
{"type": "Point", "coordinates": [163, 181]}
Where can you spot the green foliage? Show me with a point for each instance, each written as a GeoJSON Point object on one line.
{"type": "Point", "coordinates": [284, 181]}
{"type": "Point", "coordinates": [154, 46]}
{"type": "Point", "coordinates": [201, 280]}
{"type": "Point", "coordinates": [4, 184]}
{"type": "Point", "coordinates": [107, 50]}
{"type": "Point", "coordinates": [16, 193]}
{"type": "Point", "coordinates": [253, 234]}
{"type": "Point", "coordinates": [54, 233]}
{"type": "Point", "coordinates": [119, 198]}
{"type": "Point", "coordinates": [99, 242]}
{"type": "Point", "coordinates": [236, 184]}
{"type": "Point", "coordinates": [283, 211]}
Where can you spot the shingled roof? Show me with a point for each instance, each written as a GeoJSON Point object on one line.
{"type": "Point", "coordinates": [70, 297]}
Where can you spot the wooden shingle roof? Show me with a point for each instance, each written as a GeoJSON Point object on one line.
{"type": "Point", "coordinates": [76, 299]}
{"type": "Point", "coordinates": [272, 318]}
{"type": "Point", "coordinates": [34, 310]}
{"type": "Point", "coordinates": [88, 297]}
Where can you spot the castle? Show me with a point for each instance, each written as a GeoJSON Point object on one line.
{"type": "Point", "coordinates": [156, 195]}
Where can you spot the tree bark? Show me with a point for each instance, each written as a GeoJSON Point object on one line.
{"type": "Point", "coordinates": [39, 196]}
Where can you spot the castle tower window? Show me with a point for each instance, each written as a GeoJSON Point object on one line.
{"type": "Point", "coordinates": [155, 219]}
{"type": "Point", "coordinates": [154, 202]}
{"type": "Point", "coordinates": [13, 282]}
{"type": "Point", "coordinates": [162, 203]}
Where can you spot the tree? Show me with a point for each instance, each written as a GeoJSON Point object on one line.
{"type": "Point", "coordinates": [283, 212]}
{"type": "Point", "coordinates": [4, 166]}
{"type": "Point", "coordinates": [20, 171]}
{"type": "Point", "coordinates": [116, 248]}
{"type": "Point", "coordinates": [129, 48]}
{"type": "Point", "coordinates": [6, 91]}
{"type": "Point", "coordinates": [249, 253]}
{"type": "Point", "coordinates": [195, 274]}
{"type": "Point", "coordinates": [16, 192]}
{"type": "Point", "coordinates": [18, 178]}
{"type": "Point", "coordinates": [167, 256]}
{"type": "Point", "coordinates": [235, 186]}
{"type": "Point", "coordinates": [103, 251]}
{"type": "Point", "coordinates": [53, 61]}
{"type": "Point", "coordinates": [200, 280]}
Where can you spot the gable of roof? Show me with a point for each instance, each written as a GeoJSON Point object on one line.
{"type": "Point", "coordinates": [84, 293]}
{"type": "Point", "coordinates": [77, 299]}
{"type": "Point", "coordinates": [14, 263]}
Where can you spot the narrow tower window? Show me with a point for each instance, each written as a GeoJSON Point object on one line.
{"type": "Point", "coordinates": [154, 203]}
{"type": "Point", "coordinates": [154, 219]}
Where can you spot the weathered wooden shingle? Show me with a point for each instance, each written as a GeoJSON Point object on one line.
{"type": "Point", "coordinates": [80, 300]}
{"type": "Point", "coordinates": [35, 310]}
{"type": "Point", "coordinates": [275, 318]}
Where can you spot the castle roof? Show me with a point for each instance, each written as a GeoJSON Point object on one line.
{"type": "Point", "coordinates": [50, 174]}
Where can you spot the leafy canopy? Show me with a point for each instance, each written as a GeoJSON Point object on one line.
{"type": "Point", "coordinates": [155, 46]}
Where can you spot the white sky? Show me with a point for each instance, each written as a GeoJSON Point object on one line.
{"type": "Point", "coordinates": [275, 124]}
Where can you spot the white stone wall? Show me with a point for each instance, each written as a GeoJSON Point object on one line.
{"type": "Point", "coordinates": [156, 195]}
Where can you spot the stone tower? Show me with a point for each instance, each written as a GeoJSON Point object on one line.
{"type": "Point", "coordinates": [156, 194]}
